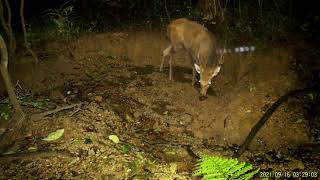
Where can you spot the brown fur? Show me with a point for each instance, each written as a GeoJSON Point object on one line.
{"type": "Point", "coordinates": [201, 46]}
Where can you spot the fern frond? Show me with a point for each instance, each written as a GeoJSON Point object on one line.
{"type": "Point", "coordinates": [213, 167]}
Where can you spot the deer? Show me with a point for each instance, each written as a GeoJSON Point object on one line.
{"type": "Point", "coordinates": [202, 49]}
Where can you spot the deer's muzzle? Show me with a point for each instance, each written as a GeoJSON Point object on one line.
{"type": "Point", "coordinates": [203, 91]}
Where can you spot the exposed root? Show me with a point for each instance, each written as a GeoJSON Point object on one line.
{"type": "Point", "coordinates": [267, 115]}
{"type": "Point", "coordinates": [58, 109]}
{"type": "Point", "coordinates": [33, 155]}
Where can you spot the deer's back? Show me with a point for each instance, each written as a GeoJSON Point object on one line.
{"type": "Point", "coordinates": [195, 38]}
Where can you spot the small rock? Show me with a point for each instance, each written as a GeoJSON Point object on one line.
{"type": "Point", "coordinates": [296, 164]}
{"type": "Point", "coordinates": [170, 107]}
{"type": "Point", "coordinates": [186, 119]}
{"type": "Point", "coordinates": [56, 95]}
{"type": "Point", "coordinates": [79, 83]}
{"type": "Point", "coordinates": [91, 152]}
{"type": "Point", "coordinates": [98, 98]}
{"type": "Point", "coordinates": [129, 118]}
{"type": "Point", "coordinates": [131, 89]}
{"type": "Point", "coordinates": [92, 107]}
{"type": "Point", "coordinates": [166, 112]}
{"type": "Point", "coordinates": [136, 114]}
{"type": "Point", "coordinates": [73, 96]}
{"type": "Point", "coordinates": [2, 130]}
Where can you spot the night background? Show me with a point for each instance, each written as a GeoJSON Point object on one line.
{"type": "Point", "coordinates": [82, 96]}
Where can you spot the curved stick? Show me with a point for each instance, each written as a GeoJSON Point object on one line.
{"type": "Point", "coordinates": [266, 116]}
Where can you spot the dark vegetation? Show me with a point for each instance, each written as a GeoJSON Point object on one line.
{"type": "Point", "coordinates": [25, 26]}
{"type": "Point", "coordinates": [239, 21]}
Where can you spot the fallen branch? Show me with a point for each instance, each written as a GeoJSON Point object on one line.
{"type": "Point", "coordinates": [267, 115]}
{"type": "Point", "coordinates": [58, 109]}
{"type": "Point", "coordinates": [33, 155]}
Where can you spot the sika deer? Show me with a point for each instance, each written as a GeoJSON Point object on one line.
{"type": "Point", "coordinates": [201, 47]}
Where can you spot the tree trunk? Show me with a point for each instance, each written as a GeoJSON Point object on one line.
{"type": "Point", "coordinates": [6, 24]}
{"type": "Point", "coordinates": [27, 45]}
{"type": "Point", "coordinates": [18, 114]}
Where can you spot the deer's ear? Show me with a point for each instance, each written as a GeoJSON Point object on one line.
{"type": "Point", "coordinates": [216, 71]}
{"type": "Point", "coordinates": [197, 68]}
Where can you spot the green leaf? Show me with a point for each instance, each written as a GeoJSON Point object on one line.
{"type": "Point", "coordinates": [32, 149]}
{"type": "Point", "coordinates": [311, 96]}
{"type": "Point", "coordinates": [9, 152]}
{"type": "Point", "coordinates": [54, 135]}
{"type": "Point", "coordinates": [114, 139]}
{"type": "Point", "coordinates": [125, 149]}
{"type": "Point", "coordinates": [5, 111]}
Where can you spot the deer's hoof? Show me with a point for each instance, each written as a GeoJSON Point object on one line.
{"type": "Point", "coordinates": [202, 98]}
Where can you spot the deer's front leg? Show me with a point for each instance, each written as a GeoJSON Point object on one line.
{"type": "Point", "coordinates": [194, 79]}
{"type": "Point", "coordinates": [194, 73]}
{"type": "Point", "coordinates": [170, 68]}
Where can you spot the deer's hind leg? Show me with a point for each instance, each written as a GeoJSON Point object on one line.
{"type": "Point", "coordinates": [166, 53]}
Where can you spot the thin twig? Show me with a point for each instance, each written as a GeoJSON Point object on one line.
{"type": "Point", "coordinates": [75, 111]}
{"type": "Point", "coordinates": [18, 84]}
{"type": "Point", "coordinates": [58, 109]}
{"type": "Point", "coordinates": [8, 11]}
{"type": "Point", "coordinates": [166, 9]}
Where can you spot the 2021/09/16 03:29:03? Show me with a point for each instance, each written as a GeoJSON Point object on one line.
{"type": "Point", "coordinates": [287, 174]}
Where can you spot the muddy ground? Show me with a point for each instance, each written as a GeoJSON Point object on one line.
{"type": "Point", "coordinates": [116, 77]}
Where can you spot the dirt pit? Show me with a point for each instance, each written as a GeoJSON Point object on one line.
{"type": "Point", "coordinates": [116, 76]}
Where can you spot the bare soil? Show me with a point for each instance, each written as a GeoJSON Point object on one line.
{"type": "Point", "coordinates": [116, 75]}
